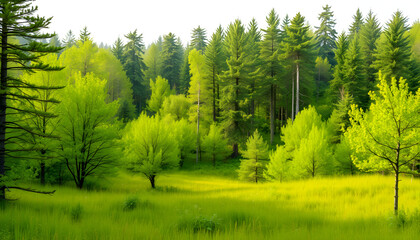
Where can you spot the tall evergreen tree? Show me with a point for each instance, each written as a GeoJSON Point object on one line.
{"type": "Point", "coordinates": [369, 34]}
{"type": "Point", "coordinates": [153, 62]}
{"type": "Point", "coordinates": [235, 84]}
{"type": "Point", "coordinates": [84, 35]}
{"type": "Point", "coordinates": [185, 76]}
{"type": "Point", "coordinates": [18, 21]}
{"type": "Point", "coordinates": [299, 47]}
{"type": "Point", "coordinates": [271, 68]}
{"type": "Point", "coordinates": [326, 34]}
{"type": "Point", "coordinates": [171, 59]}
{"type": "Point", "coordinates": [199, 39]}
{"type": "Point", "coordinates": [215, 61]}
{"type": "Point", "coordinates": [118, 50]}
{"type": "Point", "coordinates": [69, 40]}
{"type": "Point", "coordinates": [357, 24]}
{"type": "Point", "coordinates": [134, 67]}
{"type": "Point", "coordinates": [339, 70]}
{"type": "Point", "coordinates": [393, 50]}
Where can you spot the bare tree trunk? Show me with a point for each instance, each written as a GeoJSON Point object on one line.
{"type": "Point", "coordinates": [396, 192]}
{"type": "Point", "coordinates": [152, 181]}
{"type": "Point", "coordinates": [42, 173]}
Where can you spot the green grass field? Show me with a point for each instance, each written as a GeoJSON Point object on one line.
{"type": "Point", "coordinates": [192, 205]}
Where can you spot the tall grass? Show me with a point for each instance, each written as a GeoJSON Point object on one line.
{"type": "Point", "coordinates": [199, 206]}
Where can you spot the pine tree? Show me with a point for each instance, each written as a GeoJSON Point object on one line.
{"type": "Point", "coordinates": [369, 34]}
{"type": "Point", "coordinates": [199, 39]}
{"type": "Point", "coordinates": [393, 50]}
{"type": "Point", "coordinates": [235, 84]}
{"type": "Point", "coordinates": [357, 24]}
{"type": "Point", "coordinates": [215, 61]}
{"type": "Point", "coordinates": [255, 158]}
{"type": "Point", "coordinates": [118, 50]}
{"type": "Point", "coordinates": [134, 67]}
{"type": "Point", "coordinates": [299, 48]}
{"type": "Point", "coordinates": [84, 35]}
{"type": "Point", "coordinates": [214, 145]}
{"type": "Point", "coordinates": [69, 40]}
{"type": "Point", "coordinates": [271, 68]}
{"type": "Point", "coordinates": [339, 70]}
{"type": "Point", "coordinates": [339, 120]}
{"type": "Point", "coordinates": [18, 21]}
{"type": "Point", "coordinates": [253, 47]}
{"type": "Point", "coordinates": [153, 62]}
{"type": "Point", "coordinates": [171, 59]}
{"type": "Point", "coordinates": [326, 34]}
{"type": "Point", "coordinates": [185, 76]}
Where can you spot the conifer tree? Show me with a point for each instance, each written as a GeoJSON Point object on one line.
{"type": "Point", "coordinates": [171, 56]}
{"type": "Point", "coordinates": [160, 90]}
{"type": "Point", "coordinates": [134, 67]}
{"type": "Point", "coordinates": [235, 84]}
{"type": "Point", "coordinates": [18, 21]}
{"type": "Point", "coordinates": [326, 34]}
{"type": "Point", "coordinates": [84, 35]}
{"type": "Point", "coordinates": [153, 62]}
{"type": "Point", "coordinates": [339, 70]}
{"type": "Point", "coordinates": [215, 61]}
{"type": "Point", "coordinates": [271, 68]}
{"type": "Point", "coordinates": [369, 34]}
{"type": "Point", "coordinates": [118, 50]}
{"type": "Point", "coordinates": [69, 40]}
{"type": "Point", "coordinates": [255, 159]}
{"type": "Point", "coordinates": [393, 51]}
{"type": "Point", "coordinates": [199, 39]}
{"type": "Point", "coordinates": [214, 145]}
{"type": "Point", "coordinates": [357, 24]}
{"type": "Point", "coordinates": [299, 48]}
{"type": "Point", "coordinates": [185, 76]}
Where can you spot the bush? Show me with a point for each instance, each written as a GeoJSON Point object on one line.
{"type": "Point", "coordinates": [130, 203]}
{"type": "Point", "coordinates": [76, 213]}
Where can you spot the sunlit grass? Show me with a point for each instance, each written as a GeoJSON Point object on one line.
{"type": "Point", "coordinates": [199, 206]}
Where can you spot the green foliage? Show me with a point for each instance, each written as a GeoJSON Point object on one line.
{"type": "Point", "coordinates": [326, 34]}
{"type": "Point", "coordinates": [118, 50]}
{"type": "Point", "coordinates": [343, 162]}
{"type": "Point", "coordinates": [150, 146]}
{"type": "Point", "coordinates": [255, 157]}
{"type": "Point", "coordinates": [214, 145]}
{"type": "Point", "coordinates": [160, 90]}
{"type": "Point", "coordinates": [313, 158]}
{"type": "Point", "coordinates": [369, 34]}
{"type": "Point", "coordinates": [87, 128]}
{"type": "Point", "coordinates": [199, 39]}
{"type": "Point", "coordinates": [322, 72]}
{"type": "Point", "coordinates": [279, 165]}
{"type": "Point", "coordinates": [386, 136]}
{"type": "Point", "coordinates": [84, 35]}
{"type": "Point", "coordinates": [357, 24]}
{"type": "Point", "coordinates": [153, 62]}
{"type": "Point", "coordinates": [339, 74]}
{"type": "Point", "coordinates": [177, 106]}
{"type": "Point", "coordinates": [171, 57]}
{"type": "Point", "coordinates": [185, 134]}
{"type": "Point", "coordinates": [394, 50]}
{"type": "Point", "coordinates": [76, 213]}
{"type": "Point", "coordinates": [69, 40]}
{"type": "Point", "coordinates": [339, 120]}
{"type": "Point", "coordinates": [131, 203]}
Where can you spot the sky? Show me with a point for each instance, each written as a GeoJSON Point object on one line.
{"type": "Point", "coordinates": [109, 19]}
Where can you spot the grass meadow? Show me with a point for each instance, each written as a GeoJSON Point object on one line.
{"type": "Point", "coordinates": [195, 205]}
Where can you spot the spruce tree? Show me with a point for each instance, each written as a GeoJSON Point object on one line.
{"type": "Point", "coordinates": [84, 35]}
{"type": "Point", "coordinates": [171, 59]}
{"type": "Point", "coordinates": [19, 21]}
{"type": "Point", "coordinates": [215, 61]}
{"type": "Point", "coordinates": [153, 62]}
{"type": "Point", "coordinates": [299, 48]}
{"type": "Point", "coordinates": [118, 50]}
{"type": "Point", "coordinates": [235, 87]}
{"type": "Point", "coordinates": [185, 76]}
{"type": "Point", "coordinates": [357, 24]}
{"type": "Point", "coordinates": [255, 159]}
{"type": "Point", "coordinates": [369, 34]}
{"type": "Point", "coordinates": [339, 70]}
{"type": "Point", "coordinates": [199, 39]}
{"type": "Point", "coordinates": [271, 67]}
{"type": "Point", "coordinates": [69, 40]}
{"type": "Point", "coordinates": [394, 51]}
{"type": "Point", "coordinates": [134, 67]}
{"type": "Point", "coordinates": [326, 34]}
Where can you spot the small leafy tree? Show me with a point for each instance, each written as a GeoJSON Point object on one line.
{"type": "Point", "coordinates": [256, 155]}
{"type": "Point", "coordinates": [150, 146]}
{"type": "Point", "coordinates": [177, 106]}
{"type": "Point", "coordinates": [87, 128]}
{"type": "Point", "coordinates": [343, 162]}
{"type": "Point", "coordinates": [278, 167]}
{"type": "Point", "coordinates": [214, 145]}
{"type": "Point", "coordinates": [386, 137]}
{"type": "Point", "coordinates": [160, 90]}
{"type": "Point", "coordinates": [185, 135]}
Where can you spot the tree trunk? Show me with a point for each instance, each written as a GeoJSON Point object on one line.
{"type": "Point", "coordinates": [272, 102]}
{"type": "Point", "coordinates": [214, 95]}
{"type": "Point", "coordinates": [197, 156]}
{"type": "Point", "coordinates": [235, 149]}
{"type": "Point", "coordinates": [3, 84]}
{"type": "Point", "coordinates": [42, 174]}
{"type": "Point", "coordinates": [152, 181]}
{"type": "Point", "coordinates": [293, 99]}
{"type": "Point", "coordinates": [80, 183]}
{"type": "Point", "coordinates": [297, 88]}
{"type": "Point", "coordinates": [396, 192]}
